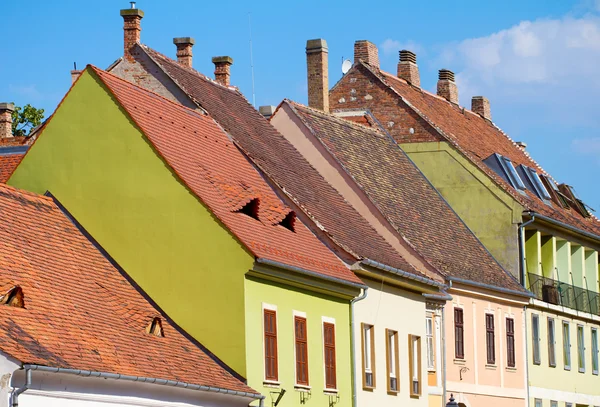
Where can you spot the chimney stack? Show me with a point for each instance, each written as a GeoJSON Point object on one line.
{"type": "Point", "coordinates": [446, 87]}
{"type": "Point", "coordinates": [132, 18]}
{"type": "Point", "coordinates": [267, 111]}
{"type": "Point", "coordinates": [408, 69]}
{"type": "Point", "coordinates": [481, 106]}
{"type": "Point", "coordinates": [317, 70]}
{"type": "Point", "coordinates": [6, 110]}
{"type": "Point", "coordinates": [222, 69]}
{"type": "Point", "coordinates": [184, 50]}
{"type": "Point", "coordinates": [367, 52]}
{"type": "Point", "coordinates": [75, 74]}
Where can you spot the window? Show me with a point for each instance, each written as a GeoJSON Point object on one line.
{"type": "Point", "coordinates": [301, 351]}
{"type": "Point", "coordinates": [459, 332]}
{"type": "Point", "coordinates": [535, 181]}
{"type": "Point", "coordinates": [368, 356]}
{"type": "Point", "coordinates": [594, 351]}
{"type": "Point", "coordinates": [329, 345]}
{"type": "Point", "coordinates": [510, 342]}
{"type": "Point", "coordinates": [391, 350]}
{"type": "Point", "coordinates": [535, 330]}
{"type": "Point", "coordinates": [270, 332]}
{"type": "Point", "coordinates": [414, 364]}
{"type": "Point", "coordinates": [538, 402]}
{"type": "Point", "coordinates": [510, 172]}
{"type": "Point", "coordinates": [430, 343]}
{"type": "Point", "coordinates": [566, 345]}
{"type": "Point", "coordinates": [551, 343]}
{"type": "Point", "coordinates": [553, 403]}
{"type": "Point", "coordinates": [568, 404]}
{"type": "Point", "coordinates": [580, 349]}
{"type": "Point", "coordinates": [490, 339]}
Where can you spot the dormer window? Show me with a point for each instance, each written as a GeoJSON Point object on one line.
{"type": "Point", "coordinates": [504, 167]}
{"type": "Point", "coordinates": [535, 182]}
{"type": "Point", "coordinates": [558, 197]}
{"type": "Point", "coordinates": [250, 208]}
{"type": "Point", "coordinates": [13, 298]}
{"type": "Point", "coordinates": [155, 327]}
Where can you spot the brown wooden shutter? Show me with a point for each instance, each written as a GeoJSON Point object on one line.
{"type": "Point", "coordinates": [301, 351]}
{"type": "Point", "coordinates": [270, 325]}
{"type": "Point", "coordinates": [490, 339]}
{"type": "Point", "coordinates": [459, 344]}
{"type": "Point", "coordinates": [329, 342]}
{"type": "Point", "coordinates": [510, 342]}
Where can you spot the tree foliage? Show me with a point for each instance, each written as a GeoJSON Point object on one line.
{"type": "Point", "coordinates": [25, 118]}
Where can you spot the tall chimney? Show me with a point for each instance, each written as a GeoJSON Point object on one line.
{"type": "Point", "coordinates": [317, 70]}
{"type": "Point", "coordinates": [222, 69]}
{"type": "Point", "coordinates": [184, 50]}
{"type": "Point", "coordinates": [367, 52]}
{"type": "Point", "coordinates": [481, 106]}
{"type": "Point", "coordinates": [446, 87]}
{"type": "Point", "coordinates": [408, 69]}
{"type": "Point", "coordinates": [6, 110]}
{"type": "Point", "coordinates": [132, 18]}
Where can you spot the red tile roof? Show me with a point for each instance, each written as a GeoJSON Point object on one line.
{"type": "Point", "coordinates": [477, 139]}
{"type": "Point", "coordinates": [79, 311]}
{"type": "Point", "coordinates": [12, 151]}
{"type": "Point", "coordinates": [405, 197]}
{"type": "Point", "coordinates": [212, 167]}
{"type": "Point", "coordinates": [273, 154]}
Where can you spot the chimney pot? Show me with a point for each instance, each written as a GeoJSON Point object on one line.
{"type": "Point", "coordinates": [6, 110]}
{"type": "Point", "coordinates": [408, 69]}
{"type": "Point", "coordinates": [446, 87]}
{"type": "Point", "coordinates": [267, 111]}
{"type": "Point", "coordinates": [317, 70]}
{"type": "Point", "coordinates": [132, 28]}
{"type": "Point", "coordinates": [481, 106]}
{"type": "Point", "coordinates": [367, 52]}
{"type": "Point", "coordinates": [222, 69]}
{"type": "Point", "coordinates": [184, 50]}
{"type": "Point", "coordinates": [75, 74]}
{"type": "Point", "coordinates": [521, 144]}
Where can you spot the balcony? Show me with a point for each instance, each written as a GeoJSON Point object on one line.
{"type": "Point", "coordinates": [566, 295]}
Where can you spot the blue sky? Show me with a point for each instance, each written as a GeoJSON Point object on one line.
{"type": "Point", "coordinates": [537, 61]}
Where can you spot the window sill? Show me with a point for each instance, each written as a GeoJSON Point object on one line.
{"type": "Point", "coordinates": [271, 383]}
{"type": "Point", "coordinates": [393, 392]}
{"type": "Point", "coordinates": [415, 396]}
{"type": "Point", "coordinates": [581, 370]}
{"type": "Point", "coordinates": [302, 387]}
{"type": "Point", "coordinates": [552, 366]}
{"type": "Point", "coordinates": [511, 369]}
{"type": "Point", "coordinates": [330, 391]}
{"type": "Point", "coordinates": [491, 367]}
{"type": "Point", "coordinates": [568, 368]}
{"type": "Point", "coordinates": [595, 372]}
{"type": "Point", "coordinates": [366, 388]}
{"type": "Point", "coordinates": [460, 361]}
{"type": "Point", "coordinates": [432, 370]}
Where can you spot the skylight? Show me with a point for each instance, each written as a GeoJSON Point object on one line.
{"type": "Point", "coordinates": [535, 181]}
{"type": "Point", "coordinates": [504, 167]}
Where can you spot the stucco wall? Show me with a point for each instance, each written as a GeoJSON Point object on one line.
{"type": "Point", "coordinates": [387, 307]}
{"type": "Point", "coordinates": [496, 384]}
{"type": "Point", "coordinates": [557, 383]}
{"type": "Point", "coordinates": [286, 300]}
{"type": "Point", "coordinates": [98, 164]}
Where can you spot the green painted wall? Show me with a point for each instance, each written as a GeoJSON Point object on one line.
{"type": "Point", "coordinates": [97, 163]}
{"type": "Point", "coordinates": [287, 300]}
{"type": "Point", "coordinates": [488, 211]}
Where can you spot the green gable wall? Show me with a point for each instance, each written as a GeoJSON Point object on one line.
{"type": "Point", "coordinates": [96, 162]}
{"type": "Point", "coordinates": [489, 212]}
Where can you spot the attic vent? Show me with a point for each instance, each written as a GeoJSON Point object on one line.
{"type": "Point", "coordinates": [14, 298]}
{"type": "Point", "coordinates": [250, 209]}
{"type": "Point", "coordinates": [289, 221]}
{"type": "Point", "coordinates": [155, 327]}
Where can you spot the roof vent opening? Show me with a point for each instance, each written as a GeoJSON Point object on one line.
{"type": "Point", "coordinates": [14, 298]}
{"type": "Point", "coordinates": [250, 208]}
{"type": "Point", "coordinates": [155, 327]}
{"type": "Point", "coordinates": [289, 221]}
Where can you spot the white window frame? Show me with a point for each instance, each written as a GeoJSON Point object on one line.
{"type": "Point", "coordinates": [429, 337]}
{"type": "Point", "coordinates": [581, 348]}
{"type": "Point", "coordinates": [535, 341]}
{"type": "Point", "coordinates": [566, 344]}
{"type": "Point", "coordinates": [368, 354]}
{"type": "Point", "coordinates": [594, 339]}
{"type": "Point", "coordinates": [551, 343]}
{"type": "Point", "coordinates": [393, 360]}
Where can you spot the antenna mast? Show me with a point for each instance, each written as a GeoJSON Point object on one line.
{"type": "Point", "coordinates": [251, 61]}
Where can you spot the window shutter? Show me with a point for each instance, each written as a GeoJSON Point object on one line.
{"type": "Point", "coordinates": [510, 342]}
{"type": "Point", "coordinates": [270, 328]}
{"type": "Point", "coordinates": [490, 339]}
{"type": "Point", "coordinates": [301, 351]}
{"type": "Point", "coordinates": [459, 346]}
{"type": "Point", "coordinates": [329, 342]}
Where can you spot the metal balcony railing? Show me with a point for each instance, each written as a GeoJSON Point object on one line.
{"type": "Point", "coordinates": [567, 295]}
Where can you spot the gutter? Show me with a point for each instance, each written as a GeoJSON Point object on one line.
{"type": "Point", "coordinates": [442, 296]}
{"type": "Point", "coordinates": [562, 225]}
{"type": "Point", "coordinates": [116, 376]}
{"type": "Point", "coordinates": [527, 294]}
{"type": "Point", "coordinates": [352, 345]}
{"type": "Point", "coordinates": [14, 398]}
{"type": "Point", "coordinates": [295, 269]}
{"type": "Point", "coordinates": [521, 248]}
{"type": "Point", "coordinates": [402, 273]}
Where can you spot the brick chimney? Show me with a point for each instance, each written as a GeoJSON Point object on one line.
{"type": "Point", "coordinates": [317, 71]}
{"type": "Point", "coordinates": [184, 50]}
{"type": "Point", "coordinates": [446, 87]}
{"type": "Point", "coordinates": [481, 106]}
{"type": "Point", "coordinates": [367, 52]}
{"type": "Point", "coordinates": [408, 69]}
{"type": "Point", "coordinates": [75, 74]}
{"type": "Point", "coordinates": [132, 18]}
{"type": "Point", "coordinates": [222, 69]}
{"type": "Point", "coordinates": [6, 110]}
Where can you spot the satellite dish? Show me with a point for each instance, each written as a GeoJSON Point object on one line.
{"type": "Point", "coordinates": [346, 65]}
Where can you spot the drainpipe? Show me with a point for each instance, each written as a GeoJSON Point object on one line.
{"type": "Point", "coordinates": [522, 249]}
{"type": "Point", "coordinates": [526, 361]}
{"type": "Point", "coordinates": [444, 349]}
{"type": "Point", "coordinates": [16, 392]}
{"type": "Point", "coordinates": [352, 344]}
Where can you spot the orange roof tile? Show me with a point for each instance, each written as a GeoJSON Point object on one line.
{"type": "Point", "coordinates": [208, 162]}
{"type": "Point", "coordinates": [80, 312]}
